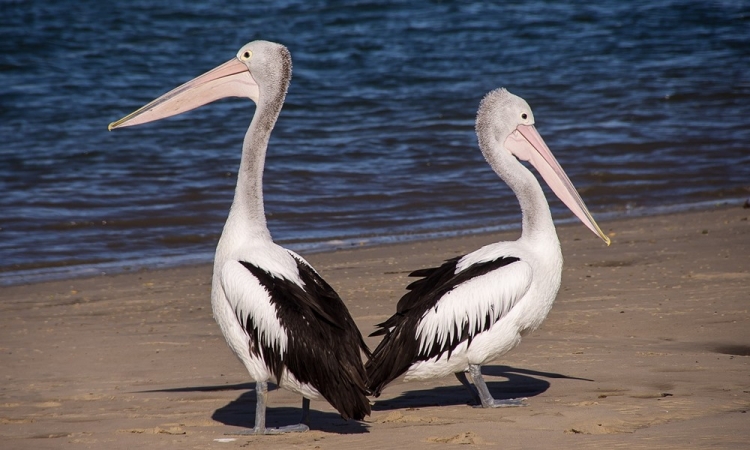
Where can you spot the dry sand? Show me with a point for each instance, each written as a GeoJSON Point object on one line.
{"type": "Point", "coordinates": [647, 346]}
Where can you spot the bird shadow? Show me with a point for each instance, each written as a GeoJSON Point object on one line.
{"type": "Point", "coordinates": [240, 412]}
{"type": "Point", "coordinates": [214, 388]}
{"type": "Point", "coordinates": [519, 383]}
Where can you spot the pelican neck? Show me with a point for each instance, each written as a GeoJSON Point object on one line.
{"type": "Point", "coordinates": [247, 206]}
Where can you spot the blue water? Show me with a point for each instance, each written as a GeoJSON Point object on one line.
{"type": "Point", "coordinates": [645, 104]}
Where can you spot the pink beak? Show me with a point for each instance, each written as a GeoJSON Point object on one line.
{"type": "Point", "coordinates": [526, 144]}
{"type": "Point", "coordinates": [231, 79]}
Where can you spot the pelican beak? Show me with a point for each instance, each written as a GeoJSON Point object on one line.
{"type": "Point", "coordinates": [231, 79]}
{"type": "Point", "coordinates": [526, 143]}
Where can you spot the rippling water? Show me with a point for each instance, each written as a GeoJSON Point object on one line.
{"type": "Point", "coordinates": [646, 107]}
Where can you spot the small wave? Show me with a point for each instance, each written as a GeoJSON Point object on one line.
{"type": "Point", "coordinates": [30, 275]}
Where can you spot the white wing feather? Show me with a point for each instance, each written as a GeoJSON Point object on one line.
{"type": "Point", "coordinates": [250, 300]}
{"type": "Point", "coordinates": [492, 294]}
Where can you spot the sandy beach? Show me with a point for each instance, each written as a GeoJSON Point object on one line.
{"type": "Point", "coordinates": [647, 346]}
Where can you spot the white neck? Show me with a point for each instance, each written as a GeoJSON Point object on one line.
{"type": "Point", "coordinates": [537, 225]}
{"type": "Point", "coordinates": [247, 214]}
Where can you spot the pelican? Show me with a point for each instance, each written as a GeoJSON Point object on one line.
{"type": "Point", "coordinates": [476, 307]}
{"type": "Point", "coordinates": [281, 319]}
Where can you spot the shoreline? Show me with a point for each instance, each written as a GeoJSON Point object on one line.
{"type": "Point", "coordinates": [81, 271]}
{"type": "Point", "coordinates": [647, 345]}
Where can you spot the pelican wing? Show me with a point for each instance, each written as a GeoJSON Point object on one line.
{"type": "Point", "coordinates": [471, 307]}
{"type": "Point", "coordinates": [321, 343]}
{"type": "Point", "coordinates": [256, 312]}
{"type": "Point", "coordinates": [444, 308]}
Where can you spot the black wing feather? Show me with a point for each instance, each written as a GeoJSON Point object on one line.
{"type": "Point", "coordinates": [399, 349]}
{"type": "Point", "coordinates": [323, 344]}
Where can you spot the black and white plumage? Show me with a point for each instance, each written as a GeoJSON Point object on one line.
{"type": "Point", "coordinates": [281, 319]}
{"type": "Point", "coordinates": [476, 307]}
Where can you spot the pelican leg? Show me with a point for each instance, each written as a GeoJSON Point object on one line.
{"type": "Point", "coordinates": [484, 393]}
{"type": "Point", "coordinates": [261, 394]}
{"type": "Point", "coordinates": [473, 392]}
{"type": "Point", "coordinates": [296, 428]}
{"type": "Point", "coordinates": [305, 411]}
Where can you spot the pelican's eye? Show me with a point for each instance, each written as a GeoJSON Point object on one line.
{"type": "Point", "coordinates": [524, 116]}
{"type": "Point", "coordinates": [247, 55]}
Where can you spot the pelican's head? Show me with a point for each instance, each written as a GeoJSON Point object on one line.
{"type": "Point", "coordinates": [259, 67]}
{"type": "Point", "coordinates": [505, 123]}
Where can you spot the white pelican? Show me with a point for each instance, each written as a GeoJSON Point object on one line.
{"type": "Point", "coordinates": [281, 319]}
{"type": "Point", "coordinates": [476, 307]}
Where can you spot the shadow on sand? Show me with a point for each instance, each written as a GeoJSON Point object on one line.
{"type": "Point", "coordinates": [519, 383]}
{"type": "Point", "coordinates": [241, 411]}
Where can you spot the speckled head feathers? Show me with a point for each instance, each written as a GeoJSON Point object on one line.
{"type": "Point", "coordinates": [270, 65]}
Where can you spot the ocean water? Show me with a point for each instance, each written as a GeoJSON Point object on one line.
{"type": "Point", "coordinates": [645, 104]}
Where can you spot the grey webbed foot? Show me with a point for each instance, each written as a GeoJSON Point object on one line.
{"type": "Point", "coordinates": [485, 398]}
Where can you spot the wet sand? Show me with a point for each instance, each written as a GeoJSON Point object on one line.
{"type": "Point", "coordinates": [647, 346]}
